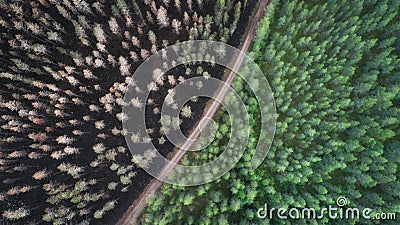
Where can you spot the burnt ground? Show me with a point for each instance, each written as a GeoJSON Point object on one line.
{"type": "Point", "coordinates": [58, 56]}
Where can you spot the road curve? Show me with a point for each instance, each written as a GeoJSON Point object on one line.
{"type": "Point", "coordinates": [134, 211]}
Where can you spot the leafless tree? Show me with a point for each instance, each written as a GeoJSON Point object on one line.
{"type": "Point", "coordinates": [195, 18]}
{"type": "Point", "coordinates": [136, 102]}
{"type": "Point", "coordinates": [115, 131]}
{"type": "Point", "coordinates": [171, 80]}
{"type": "Point", "coordinates": [190, 5]}
{"type": "Point", "coordinates": [152, 86]}
{"type": "Point", "coordinates": [178, 5]}
{"type": "Point", "coordinates": [57, 155]}
{"type": "Point", "coordinates": [40, 175]}
{"type": "Point", "coordinates": [186, 18]}
{"type": "Point", "coordinates": [153, 49]}
{"type": "Point", "coordinates": [158, 76]}
{"type": "Point", "coordinates": [101, 47]}
{"type": "Point", "coordinates": [181, 79]}
{"type": "Point", "coordinates": [35, 155]}
{"type": "Point", "coordinates": [169, 99]}
{"type": "Point", "coordinates": [166, 2]}
{"type": "Point", "coordinates": [98, 63]}
{"type": "Point", "coordinates": [125, 45]}
{"type": "Point", "coordinates": [135, 41]}
{"type": "Point", "coordinates": [99, 124]}
{"type": "Point", "coordinates": [99, 33]}
{"type": "Point", "coordinates": [82, 6]}
{"type": "Point", "coordinates": [99, 7]}
{"type": "Point", "coordinates": [64, 139]}
{"type": "Point", "coordinates": [71, 150]}
{"type": "Point", "coordinates": [162, 17]}
{"type": "Point", "coordinates": [134, 56]}
{"type": "Point", "coordinates": [176, 24]}
{"type": "Point", "coordinates": [111, 59]}
{"type": "Point", "coordinates": [45, 148]}
{"type": "Point", "coordinates": [113, 24]}
{"type": "Point", "coordinates": [135, 138]}
{"type": "Point", "coordinates": [153, 7]}
{"type": "Point", "coordinates": [139, 30]}
{"type": "Point", "coordinates": [144, 53]}
{"type": "Point", "coordinates": [149, 17]}
{"type": "Point", "coordinates": [124, 66]}
{"type": "Point", "coordinates": [16, 213]}
{"type": "Point", "coordinates": [99, 148]}
{"type": "Point", "coordinates": [200, 3]}
{"type": "Point", "coordinates": [77, 132]}
{"type": "Point", "coordinates": [156, 110]}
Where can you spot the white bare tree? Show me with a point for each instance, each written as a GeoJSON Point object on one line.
{"type": "Point", "coordinates": [127, 35]}
{"type": "Point", "coordinates": [169, 99]}
{"type": "Point", "coordinates": [149, 17]}
{"type": "Point", "coordinates": [166, 2]}
{"type": "Point", "coordinates": [71, 150]}
{"type": "Point", "coordinates": [57, 155]}
{"type": "Point", "coordinates": [176, 24]}
{"type": "Point", "coordinates": [200, 3]}
{"type": "Point", "coordinates": [124, 66]}
{"type": "Point", "coordinates": [178, 5]}
{"type": "Point", "coordinates": [181, 79]}
{"type": "Point", "coordinates": [98, 63]}
{"type": "Point", "coordinates": [186, 18]}
{"type": "Point", "coordinates": [99, 33]}
{"type": "Point", "coordinates": [77, 132]}
{"type": "Point", "coordinates": [139, 30]}
{"type": "Point", "coordinates": [115, 131]}
{"type": "Point", "coordinates": [111, 59]}
{"type": "Point", "coordinates": [156, 110]}
{"type": "Point", "coordinates": [153, 49]}
{"type": "Point", "coordinates": [144, 53]}
{"type": "Point", "coordinates": [136, 102]}
{"type": "Point", "coordinates": [134, 56]}
{"type": "Point", "coordinates": [16, 213]}
{"type": "Point", "coordinates": [162, 17]}
{"type": "Point", "coordinates": [135, 41]}
{"type": "Point", "coordinates": [153, 7]}
{"type": "Point", "coordinates": [158, 76]}
{"type": "Point", "coordinates": [125, 45]}
{"type": "Point", "coordinates": [99, 148]}
{"type": "Point", "coordinates": [99, 124]}
{"type": "Point", "coordinates": [190, 5]}
{"type": "Point", "coordinates": [99, 7]}
{"type": "Point", "coordinates": [64, 140]}
{"type": "Point", "coordinates": [171, 80]}
{"type": "Point", "coordinates": [152, 86]}
{"type": "Point", "coordinates": [113, 24]}
{"type": "Point", "coordinates": [40, 175]}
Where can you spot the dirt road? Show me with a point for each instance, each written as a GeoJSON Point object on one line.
{"type": "Point", "coordinates": [134, 211]}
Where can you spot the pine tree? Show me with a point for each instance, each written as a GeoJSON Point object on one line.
{"type": "Point", "coordinates": [162, 17]}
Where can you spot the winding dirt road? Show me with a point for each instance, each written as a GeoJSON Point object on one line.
{"type": "Point", "coordinates": [134, 211]}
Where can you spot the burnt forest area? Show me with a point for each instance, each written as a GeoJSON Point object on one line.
{"type": "Point", "coordinates": [73, 165]}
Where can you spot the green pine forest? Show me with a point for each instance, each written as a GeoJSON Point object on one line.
{"type": "Point", "coordinates": [334, 70]}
